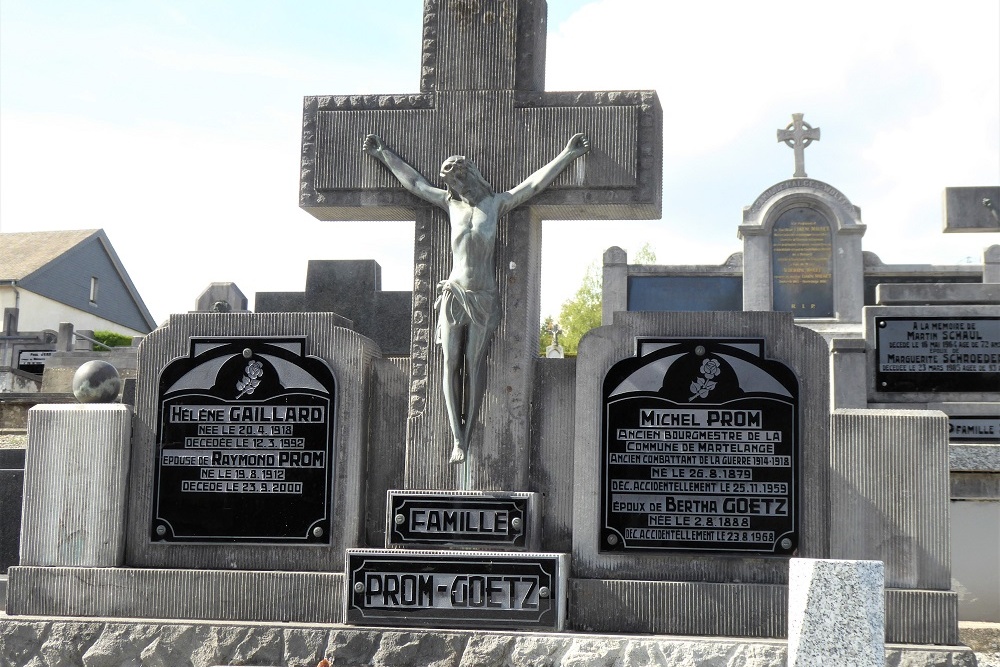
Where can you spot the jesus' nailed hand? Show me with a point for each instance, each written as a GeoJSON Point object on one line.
{"type": "Point", "coordinates": [468, 301]}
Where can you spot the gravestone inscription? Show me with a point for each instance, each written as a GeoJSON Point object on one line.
{"type": "Point", "coordinates": [432, 519]}
{"type": "Point", "coordinates": [245, 444]}
{"type": "Point", "coordinates": [802, 263]}
{"type": "Point", "coordinates": [699, 449]}
{"type": "Point", "coordinates": [973, 429]}
{"type": "Point", "coordinates": [916, 354]}
{"type": "Point", "coordinates": [456, 589]}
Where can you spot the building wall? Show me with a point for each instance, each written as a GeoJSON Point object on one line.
{"type": "Point", "coordinates": [38, 313]}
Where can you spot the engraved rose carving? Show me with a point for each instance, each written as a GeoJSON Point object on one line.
{"type": "Point", "coordinates": [251, 378]}
{"type": "Point", "coordinates": [700, 388]}
{"type": "Point", "coordinates": [710, 368]}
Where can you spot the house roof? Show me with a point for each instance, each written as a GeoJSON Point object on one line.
{"type": "Point", "coordinates": [31, 257]}
{"type": "Point", "coordinates": [23, 253]}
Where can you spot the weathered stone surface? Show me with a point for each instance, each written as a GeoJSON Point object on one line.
{"type": "Point", "coordinates": [351, 647]}
{"type": "Point", "coordinates": [419, 649]}
{"type": "Point", "coordinates": [120, 644]}
{"type": "Point", "coordinates": [20, 641]}
{"type": "Point", "coordinates": [304, 647]}
{"type": "Point", "coordinates": [71, 643]}
{"type": "Point", "coordinates": [171, 647]}
{"type": "Point", "coordinates": [65, 644]}
{"type": "Point", "coordinates": [485, 650]}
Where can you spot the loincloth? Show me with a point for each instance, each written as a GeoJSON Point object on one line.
{"type": "Point", "coordinates": [459, 306]}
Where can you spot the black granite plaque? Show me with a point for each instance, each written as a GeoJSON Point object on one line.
{"type": "Point", "coordinates": [699, 449]}
{"type": "Point", "coordinates": [487, 590]}
{"type": "Point", "coordinates": [245, 444]}
{"type": "Point", "coordinates": [937, 354]}
{"type": "Point", "coordinates": [974, 429]}
{"type": "Point", "coordinates": [33, 361]}
{"type": "Point", "coordinates": [465, 519]}
{"type": "Point", "coordinates": [802, 263]}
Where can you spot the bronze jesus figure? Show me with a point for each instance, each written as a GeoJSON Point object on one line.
{"type": "Point", "coordinates": [468, 301]}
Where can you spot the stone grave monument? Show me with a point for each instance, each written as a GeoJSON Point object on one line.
{"type": "Point", "coordinates": [802, 244]}
{"type": "Point", "coordinates": [277, 471]}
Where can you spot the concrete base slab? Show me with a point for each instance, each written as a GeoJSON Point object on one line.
{"type": "Point", "coordinates": [678, 608]}
{"type": "Point", "coordinates": [38, 640]}
{"type": "Point", "coordinates": [702, 608]}
{"type": "Point", "coordinates": [225, 595]}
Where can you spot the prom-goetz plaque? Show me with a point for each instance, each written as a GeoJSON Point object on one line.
{"type": "Point", "coordinates": [937, 354]}
{"type": "Point", "coordinates": [699, 449]}
{"type": "Point", "coordinates": [487, 590]}
{"type": "Point", "coordinates": [244, 444]}
{"type": "Point", "coordinates": [462, 518]}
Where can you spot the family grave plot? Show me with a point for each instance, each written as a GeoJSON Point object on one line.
{"type": "Point", "coordinates": [701, 587]}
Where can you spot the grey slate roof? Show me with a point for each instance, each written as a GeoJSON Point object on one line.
{"type": "Point", "coordinates": [23, 253]}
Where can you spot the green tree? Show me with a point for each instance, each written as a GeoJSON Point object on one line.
{"type": "Point", "coordinates": [582, 312]}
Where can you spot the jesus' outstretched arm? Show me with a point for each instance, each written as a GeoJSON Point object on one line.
{"type": "Point", "coordinates": [578, 145]}
{"type": "Point", "coordinates": [408, 177]}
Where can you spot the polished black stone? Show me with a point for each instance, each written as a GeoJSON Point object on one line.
{"type": "Point", "coordinates": [700, 444]}
{"type": "Point", "coordinates": [472, 520]}
{"type": "Point", "coordinates": [455, 589]}
{"type": "Point", "coordinates": [974, 429]}
{"type": "Point", "coordinates": [245, 444]}
{"type": "Point", "coordinates": [937, 354]}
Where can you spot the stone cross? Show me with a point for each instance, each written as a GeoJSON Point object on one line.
{"type": "Point", "coordinates": [481, 95]}
{"type": "Point", "coordinates": [798, 135]}
{"type": "Point", "coordinates": [555, 331]}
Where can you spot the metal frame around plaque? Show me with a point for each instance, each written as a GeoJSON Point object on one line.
{"type": "Point", "coordinates": [245, 444]}
{"type": "Point", "coordinates": [465, 519]}
{"type": "Point", "coordinates": [459, 589]}
{"type": "Point", "coordinates": [937, 354]}
{"type": "Point", "coordinates": [700, 449]}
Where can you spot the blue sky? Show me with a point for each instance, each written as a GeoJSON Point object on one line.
{"type": "Point", "coordinates": [175, 125]}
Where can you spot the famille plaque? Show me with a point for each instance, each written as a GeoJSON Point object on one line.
{"type": "Point", "coordinates": [974, 429]}
{"type": "Point", "coordinates": [488, 590]}
{"type": "Point", "coordinates": [462, 518]}
{"type": "Point", "coordinates": [699, 449]}
{"type": "Point", "coordinates": [937, 354]}
{"type": "Point", "coordinates": [244, 444]}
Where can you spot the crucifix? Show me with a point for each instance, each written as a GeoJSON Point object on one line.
{"type": "Point", "coordinates": [798, 135]}
{"type": "Point", "coordinates": [481, 96]}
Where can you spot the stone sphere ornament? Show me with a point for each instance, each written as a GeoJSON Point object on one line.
{"type": "Point", "coordinates": [97, 382]}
